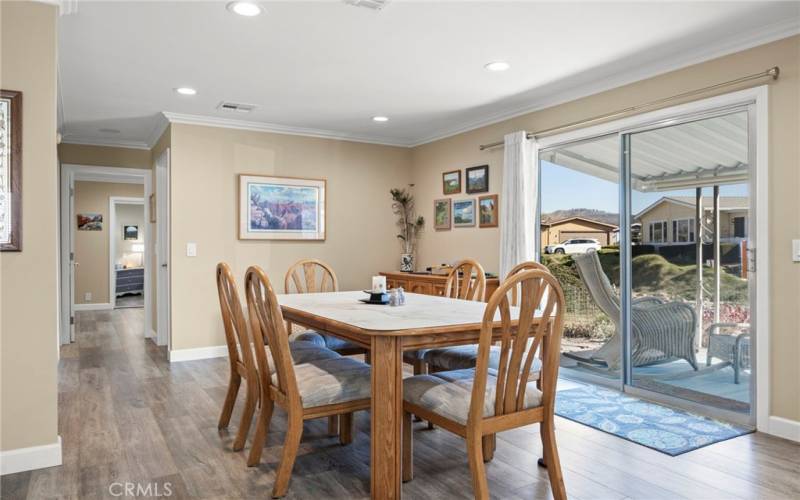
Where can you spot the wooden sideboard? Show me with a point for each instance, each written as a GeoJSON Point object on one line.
{"type": "Point", "coordinates": [428, 284]}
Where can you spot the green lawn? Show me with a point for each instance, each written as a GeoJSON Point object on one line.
{"type": "Point", "coordinates": [653, 274]}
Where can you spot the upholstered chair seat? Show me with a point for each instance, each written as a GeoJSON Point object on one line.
{"type": "Point", "coordinates": [449, 393]}
{"type": "Point", "coordinates": [324, 340]}
{"type": "Point", "coordinates": [331, 381]}
{"type": "Point", "coordinates": [463, 357]}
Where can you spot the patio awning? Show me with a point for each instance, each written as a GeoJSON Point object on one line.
{"type": "Point", "coordinates": [702, 153]}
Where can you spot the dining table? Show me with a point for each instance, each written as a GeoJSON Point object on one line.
{"type": "Point", "coordinates": [425, 321]}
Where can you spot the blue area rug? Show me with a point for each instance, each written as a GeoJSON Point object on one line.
{"type": "Point", "coordinates": [661, 428]}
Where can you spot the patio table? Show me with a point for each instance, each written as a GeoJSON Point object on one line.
{"type": "Point", "coordinates": [425, 321]}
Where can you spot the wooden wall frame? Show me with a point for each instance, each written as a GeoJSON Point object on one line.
{"type": "Point", "coordinates": [14, 172]}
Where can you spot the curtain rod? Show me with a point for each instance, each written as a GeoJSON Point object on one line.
{"type": "Point", "coordinates": [773, 72]}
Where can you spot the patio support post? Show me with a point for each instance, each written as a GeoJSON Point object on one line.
{"type": "Point", "coordinates": [698, 225]}
{"type": "Point", "coordinates": [717, 255]}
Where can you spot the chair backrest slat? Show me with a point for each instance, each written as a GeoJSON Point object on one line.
{"type": "Point", "coordinates": [236, 332]}
{"type": "Point", "coordinates": [267, 321]}
{"type": "Point", "coordinates": [303, 275]}
{"type": "Point", "coordinates": [520, 344]}
{"type": "Point", "coordinates": [466, 286]}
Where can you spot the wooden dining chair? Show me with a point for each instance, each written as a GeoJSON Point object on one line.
{"type": "Point", "coordinates": [240, 356]}
{"type": "Point", "coordinates": [315, 276]}
{"type": "Point", "coordinates": [321, 388]}
{"type": "Point", "coordinates": [460, 284]}
{"type": "Point", "coordinates": [479, 402]}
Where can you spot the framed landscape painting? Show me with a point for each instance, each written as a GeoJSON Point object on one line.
{"type": "Point", "coordinates": [487, 211]}
{"type": "Point", "coordinates": [451, 182]}
{"type": "Point", "coordinates": [281, 208]}
{"type": "Point", "coordinates": [441, 214]}
{"type": "Point", "coordinates": [464, 213]}
{"type": "Point", "coordinates": [478, 179]}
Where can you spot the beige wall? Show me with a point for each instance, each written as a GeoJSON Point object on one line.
{"type": "Point", "coordinates": [104, 156]}
{"type": "Point", "coordinates": [205, 164]}
{"type": "Point", "coordinates": [92, 247]}
{"type": "Point", "coordinates": [460, 151]}
{"type": "Point", "coordinates": [28, 279]}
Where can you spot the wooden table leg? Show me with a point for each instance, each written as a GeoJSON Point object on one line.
{"type": "Point", "coordinates": [387, 416]}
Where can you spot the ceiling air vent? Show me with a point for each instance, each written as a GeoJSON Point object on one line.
{"type": "Point", "coordinates": [370, 4]}
{"type": "Point", "coordinates": [235, 107]}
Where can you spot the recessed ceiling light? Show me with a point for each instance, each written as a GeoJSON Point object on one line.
{"type": "Point", "coordinates": [497, 66]}
{"type": "Point", "coordinates": [186, 91]}
{"type": "Point", "coordinates": [380, 118]}
{"type": "Point", "coordinates": [247, 9]}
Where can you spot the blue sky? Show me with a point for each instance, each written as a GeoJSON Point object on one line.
{"type": "Point", "coordinates": [564, 188]}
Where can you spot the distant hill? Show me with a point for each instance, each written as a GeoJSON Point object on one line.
{"type": "Point", "coordinates": [586, 213]}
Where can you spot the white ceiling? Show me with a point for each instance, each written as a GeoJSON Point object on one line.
{"type": "Point", "coordinates": [326, 68]}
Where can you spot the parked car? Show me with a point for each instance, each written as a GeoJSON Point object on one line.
{"type": "Point", "coordinates": [577, 245]}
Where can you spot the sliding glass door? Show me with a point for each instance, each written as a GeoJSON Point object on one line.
{"type": "Point", "coordinates": [689, 323]}
{"type": "Point", "coordinates": [649, 230]}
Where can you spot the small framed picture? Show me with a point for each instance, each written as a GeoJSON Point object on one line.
{"type": "Point", "coordinates": [464, 212]}
{"type": "Point", "coordinates": [478, 179]}
{"type": "Point", "coordinates": [90, 222]}
{"type": "Point", "coordinates": [441, 214]}
{"type": "Point", "coordinates": [487, 211]}
{"type": "Point", "coordinates": [130, 232]}
{"type": "Point", "coordinates": [451, 182]}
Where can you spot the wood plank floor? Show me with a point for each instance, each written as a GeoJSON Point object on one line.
{"type": "Point", "coordinates": [127, 415]}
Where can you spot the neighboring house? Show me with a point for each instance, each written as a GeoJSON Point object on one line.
{"type": "Point", "coordinates": [559, 231]}
{"type": "Point", "coordinates": [671, 220]}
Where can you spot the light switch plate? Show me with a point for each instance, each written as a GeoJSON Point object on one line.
{"type": "Point", "coordinates": [795, 250]}
{"type": "Point", "coordinates": [87, 297]}
{"type": "Point", "coordinates": [191, 249]}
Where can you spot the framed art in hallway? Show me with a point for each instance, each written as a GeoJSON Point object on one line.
{"type": "Point", "coordinates": [281, 208]}
{"type": "Point", "coordinates": [478, 179]}
{"type": "Point", "coordinates": [130, 232]}
{"type": "Point", "coordinates": [451, 182]}
{"type": "Point", "coordinates": [441, 214]}
{"type": "Point", "coordinates": [487, 211]}
{"type": "Point", "coordinates": [10, 171]}
{"type": "Point", "coordinates": [90, 222]}
{"type": "Point", "coordinates": [464, 212]}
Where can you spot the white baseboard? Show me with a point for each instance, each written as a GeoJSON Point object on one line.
{"type": "Point", "coordinates": [784, 428]}
{"type": "Point", "coordinates": [216, 351]}
{"type": "Point", "coordinates": [35, 457]}
{"type": "Point", "coordinates": [92, 307]}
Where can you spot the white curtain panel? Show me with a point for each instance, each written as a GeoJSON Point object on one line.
{"type": "Point", "coordinates": [518, 201]}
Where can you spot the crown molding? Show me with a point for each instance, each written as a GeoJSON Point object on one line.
{"type": "Point", "coordinates": [741, 42]}
{"type": "Point", "coordinates": [111, 143]}
{"type": "Point", "coordinates": [213, 121]}
{"type": "Point", "coordinates": [161, 126]}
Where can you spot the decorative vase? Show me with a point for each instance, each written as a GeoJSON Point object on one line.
{"type": "Point", "coordinates": [407, 262]}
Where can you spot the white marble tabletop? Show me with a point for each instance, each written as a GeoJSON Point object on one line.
{"type": "Point", "coordinates": [420, 311]}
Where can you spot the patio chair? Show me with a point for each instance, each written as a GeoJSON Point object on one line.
{"type": "Point", "coordinates": [732, 348]}
{"type": "Point", "coordinates": [661, 330]}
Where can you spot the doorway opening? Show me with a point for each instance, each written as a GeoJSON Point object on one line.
{"type": "Point", "coordinates": [126, 256]}
{"type": "Point", "coordinates": [91, 234]}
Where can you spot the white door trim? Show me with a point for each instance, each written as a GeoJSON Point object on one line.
{"type": "Point", "coordinates": [162, 250]}
{"type": "Point", "coordinates": [113, 201]}
{"type": "Point", "coordinates": [69, 174]}
{"type": "Point", "coordinates": [757, 96]}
